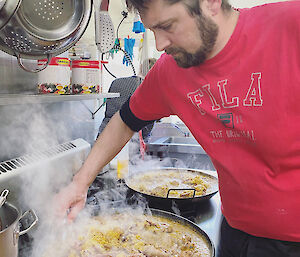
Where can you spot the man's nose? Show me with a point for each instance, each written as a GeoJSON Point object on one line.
{"type": "Point", "coordinates": [161, 41]}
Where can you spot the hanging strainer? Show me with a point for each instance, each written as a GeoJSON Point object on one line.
{"type": "Point", "coordinates": [7, 10]}
{"type": "Point", "coordinates": [104, 28]}
{"type": "Point", "coordinates": [41, 29]}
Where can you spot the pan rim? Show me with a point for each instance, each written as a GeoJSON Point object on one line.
{"type": "Point", "coordinates": [184, 221]}
{"type": "Point", "coordinates": [209, 195]}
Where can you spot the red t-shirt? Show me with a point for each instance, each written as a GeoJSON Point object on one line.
{"type": "Point", "coordinates": [243, 107]}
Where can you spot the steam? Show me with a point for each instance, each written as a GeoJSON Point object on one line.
{"type": "Point", "coordinates": [103, 198]}
{"type": "Point", "coordinates": [32, 128]}
{"type": "Point", "coordinates": [27, 129]}
{"type": "Point", "coordinates": [35, 129]}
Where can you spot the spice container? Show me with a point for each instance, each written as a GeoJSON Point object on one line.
{"type": "Point", "coordinates": [85, 77]}
{"type": "Point", "coordinates": [56, 77]}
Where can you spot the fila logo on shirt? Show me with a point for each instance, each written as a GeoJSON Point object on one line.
{"type": "Point", "coordinates": [252, 96]}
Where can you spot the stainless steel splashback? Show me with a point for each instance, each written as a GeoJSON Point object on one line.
{"type": "Point", "coordinates": [14, 80]}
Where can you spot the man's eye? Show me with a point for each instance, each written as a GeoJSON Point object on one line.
{"type": "Point", "coordinates": [167, 27]}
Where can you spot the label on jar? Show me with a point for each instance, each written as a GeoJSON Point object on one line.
{"type": "Point", "coordinates": [85, 77]}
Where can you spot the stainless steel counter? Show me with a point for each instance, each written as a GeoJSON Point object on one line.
{"type": "Point", "coordinates": [170, 141]}
{"type": "Point", "coordinates": [209, 218]}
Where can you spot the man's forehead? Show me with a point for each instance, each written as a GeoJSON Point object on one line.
{"type": "Point", "coordinates": [159, 12]}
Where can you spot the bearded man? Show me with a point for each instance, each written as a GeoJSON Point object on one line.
{"type": "Point", "coordinates": [221, 62]}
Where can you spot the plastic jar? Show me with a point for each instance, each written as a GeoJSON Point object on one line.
{"type": "Point", "coordinates": [56, 77]}
{"type": "Point", "coordinates": [85, 77]}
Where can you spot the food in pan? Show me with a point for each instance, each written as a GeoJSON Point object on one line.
{"type": "Point", "coordinates": [173, 183]}
{"type": "Point", "coordinates": [140, 235]}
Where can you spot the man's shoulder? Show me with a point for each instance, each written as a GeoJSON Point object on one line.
{"type": "Point", "coordinates": [272, 16]}
{"type": "Point", "coordinates": [274, 9]}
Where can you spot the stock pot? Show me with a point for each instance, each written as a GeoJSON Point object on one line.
{"type": "Point", "coordinates": [10, 218]}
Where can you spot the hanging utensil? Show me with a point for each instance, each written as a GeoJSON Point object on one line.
{"type": "Point", "coordinates": [3, 197]}
{"type": "Point", "coordinates": [7, 10]}
{"type": "Point", "coordinates": [104, 28]}
{"type": "Point", "coordinates": [35, 29]}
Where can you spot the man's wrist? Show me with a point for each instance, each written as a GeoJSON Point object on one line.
{"type": "Point", "coordinates": [81, 179]}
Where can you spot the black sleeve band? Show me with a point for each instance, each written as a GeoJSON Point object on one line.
{"type": "Point", "coordinates": [131, 120]}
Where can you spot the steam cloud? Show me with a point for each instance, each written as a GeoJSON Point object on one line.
{"type": "Point", "coordinates": [34, 130]}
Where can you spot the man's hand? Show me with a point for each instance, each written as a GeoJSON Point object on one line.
{"type": "Point", "coordinates": [70, 200]}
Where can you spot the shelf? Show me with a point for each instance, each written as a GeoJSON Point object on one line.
{"type": "Point", "coordinates": [13, 99]}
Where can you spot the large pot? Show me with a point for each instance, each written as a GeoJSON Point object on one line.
{"type": "Point", "coordinates": [167, 202]}
{"type": "Point", "coordinates": [127, 225]}
{"type": "Point", "coordinates": [10, 218]}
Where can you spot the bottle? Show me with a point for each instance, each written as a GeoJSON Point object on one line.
{"type": "Point", "coordinates": [122, 162]}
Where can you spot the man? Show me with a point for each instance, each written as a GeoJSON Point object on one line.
{"type": "Point", "coordinates": [233, 77]}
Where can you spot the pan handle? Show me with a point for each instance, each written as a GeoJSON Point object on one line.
{"type": "Point", "coordinates": [20, 62]}
{"type": "Point", "coordinates": [17, 233]}
{"type": "Point", "coordinates": [3, 196]}
{"type": "Point", "coordinates": [32, 224]}
{"type": "Point", "coordinates": [182, 189]}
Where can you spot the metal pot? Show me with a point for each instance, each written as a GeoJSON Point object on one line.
{"type": "Point", "coordinates": [38, 29]}
{"type": "Point", "coordinates": [10, 218]}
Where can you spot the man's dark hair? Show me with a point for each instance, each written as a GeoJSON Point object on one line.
{"type": "Point", "coordinates": [191, 5]}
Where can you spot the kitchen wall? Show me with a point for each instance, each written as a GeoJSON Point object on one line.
{"type": "Point", "coordinates": [250, 3]}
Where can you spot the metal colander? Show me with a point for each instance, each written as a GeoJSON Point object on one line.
{"type": "Point", "coordinates": [41, 29]}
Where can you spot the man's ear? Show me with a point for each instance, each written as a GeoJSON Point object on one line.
{"type": "Point", "coordinates": [211, 7]}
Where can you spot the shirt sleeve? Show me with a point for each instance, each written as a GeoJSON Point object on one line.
{"type": "Point", "coordinates": [131, 120]}
{"type": "Point", "coordinates": [150, 100]}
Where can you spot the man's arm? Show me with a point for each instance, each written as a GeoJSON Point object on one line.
{"type": "Point", "coordinates": [113, 138]}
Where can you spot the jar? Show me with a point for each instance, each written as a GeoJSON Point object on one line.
{"type": "Point", "coordinates": [85, 77]}
{"type": "Point", "coordinates": [56, 77]}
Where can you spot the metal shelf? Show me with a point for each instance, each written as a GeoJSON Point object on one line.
{"type": "Point", "coordinates": [13, 99]}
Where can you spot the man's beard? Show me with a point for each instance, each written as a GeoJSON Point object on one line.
{"type": "Point", "coordinates": [208, 32]}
